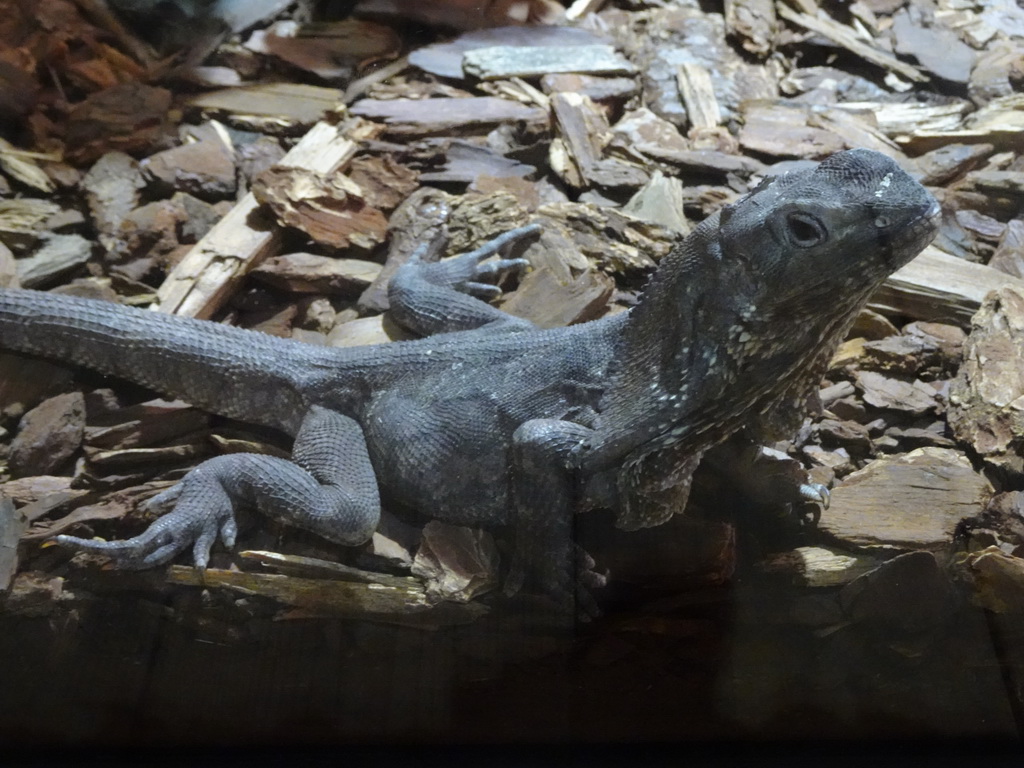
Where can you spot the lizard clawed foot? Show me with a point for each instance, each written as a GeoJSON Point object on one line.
{"type": "Point", "coordinates": [569, 587]}
{"type": "Point", "coordinates": [587, 580]}
{"type": "Point", "coordinates": [468, 273]}
{"type": "Point", "coordinates": [202, 512]}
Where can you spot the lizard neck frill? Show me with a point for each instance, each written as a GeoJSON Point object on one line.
{"type": "Point", "coordinates": [668, 353]}
{"type": "Point", "coordinates": [701, 358]}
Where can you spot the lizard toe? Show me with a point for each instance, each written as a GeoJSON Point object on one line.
{"type": "Point", "coordinates": [816, 493]}
{"type": "Point", "coordinates": [229, 532]}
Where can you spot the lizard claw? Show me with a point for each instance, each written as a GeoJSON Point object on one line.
{"type": "Point", "coordinates": [816, 493]}
{"type": "Point", "coordinates": [468, 273]}
{"type": "Point", "coordinates": [202, 513]}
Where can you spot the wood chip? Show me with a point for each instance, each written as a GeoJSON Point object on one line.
{"type": "Point", "coordinates": [885, 392]}
{"type": "Point", "coordinates": [149, 423]}
{"type": "Point", "coordinates": [445, 59]}
{"type": "Point", "coordinates": [419, 219]}
{"type": "Point", "coordinates": [426, 117]}
{"type": "Point", "coordinates": [112, 188]}
{"type": "Point", "coordinates": [378, 329]}
{"type": "Point", "coordinates": [614, 242]}
{"type": "Point", "coordinates": [12, 526]}
{"type": "Point", "coordinates": [907, 502]}
{"type": "Point", "coordinates": [331, 50]}
{"type": "Point", "coordinates": [533, 61]}
{"type": "Point", "coordinates": [457, 563]}
{"type": "Point", "coordinates": [23, 167]}
{"type": "Point", "coordinates": [329, 207]}
{"type": "Point", "coordinates": [49, 435]}
{"type": "Point", "coordinates": [784, 130]}
{"type": "Point", "coordinates": [25, 216]}
{"type": "Point", "coordinates": [1009, 255]}
{"type": "Point", "coordinates": [998, 580]}
{"type": "Point", "coordinates": [599, 89]}
{"type": "Point", "coordinates": [698, 96]}
{"type": "Point", "coordinates": [58, 255]}
{"type": "Point", "coordinates": [940, 287]}
{"type": "Point", "coordinates": [579, 157]}
{"type": "Point", "coordinates": [847, 38]}
{"type": "Point", "coordinates": [550, 296]}
{"type": "Point", "coordinates": [660, 201]}
{"type": "Point", "coordinates": [387, 604]}
{"type": "Point", "coordinates": [312, 273]}
{"type": "Point", "coordinates": [312, 567]}
{"type": "Point", "coordinates": [936, 48]}
{"type": "Point", "coordinates": [817, 566]}
{"type": "Point", "coordinates": [898, 119]}
{"type": "Point", "coordinates": [201, 282]}
{"type": "Point", "coordinates": [986, 406]}
{"type": "Point", "coordinates": [297, 106]}
{"type": "Point", "coordinates": [754, 23]}
{"type": "Point", "coordinates": [129, 117]}
{"type": "Point", "coordinates": [202, 168]}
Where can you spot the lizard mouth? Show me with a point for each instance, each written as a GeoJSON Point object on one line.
{"type": "Point", "coordinates": [912, 238]}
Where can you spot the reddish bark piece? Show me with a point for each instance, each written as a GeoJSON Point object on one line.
{"type": "Point", "coordinates": [331, 209]}
{"type": "Point", "coordinates": [129, 117]}
{"type": "Point", "coordinates": [907, 502]}
{"type": "Point", "coordinates": [383, 180]}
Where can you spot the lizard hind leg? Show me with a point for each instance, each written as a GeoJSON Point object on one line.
{"type": "Point", "coordinates": [328, 488]}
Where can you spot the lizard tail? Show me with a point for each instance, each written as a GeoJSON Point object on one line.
{"type": "Point", "coordinates": [231, 371]}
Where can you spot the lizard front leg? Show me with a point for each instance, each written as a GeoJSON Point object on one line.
{"type": "Point", "coordinates": [328, 488]}
{"type": "Point", "coordinates": [441, 297]}
{"type": "Point", "coordinates": [544, 494]}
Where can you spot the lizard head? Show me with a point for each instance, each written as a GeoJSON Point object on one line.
{"type": "Point", "coordinates": [855, 218]}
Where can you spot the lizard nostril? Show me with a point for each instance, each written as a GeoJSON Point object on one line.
{"type": "Point", "coordinates": [883, 222]}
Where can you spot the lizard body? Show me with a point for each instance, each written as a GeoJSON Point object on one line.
{"type": "Point", "coordinates": [490, 421]}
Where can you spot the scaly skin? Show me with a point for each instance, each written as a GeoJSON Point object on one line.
{"type": "Point", "coordinates": [493, 422]}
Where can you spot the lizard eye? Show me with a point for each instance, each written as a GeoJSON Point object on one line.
{"type": "Point", "coordinates": [805, 230]}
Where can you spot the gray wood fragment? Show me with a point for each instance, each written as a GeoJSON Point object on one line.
{"type": "Point", "coordinates": [660, 201]}
{"type": "Point", "coordinates": [58, 255]}
{"type": "Point", "coordinates": [49, 435]}
{"type": "Point", "coordinates": [753, 22]}
{"type": "Point", "coordinates": [698, 95]}
{"type": "Point", "coordinates": [937, 286]}
{"type": "Point", "coordinates": [12, 526]}
{"type": "Point", "coordinates": [533, 61]}
{"type": "Point", "coordinates": [423, 117]}
{"type": "Point", "coordinates": [445, 59]}
{"type": "Point", "coordinates": [936, 48]}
